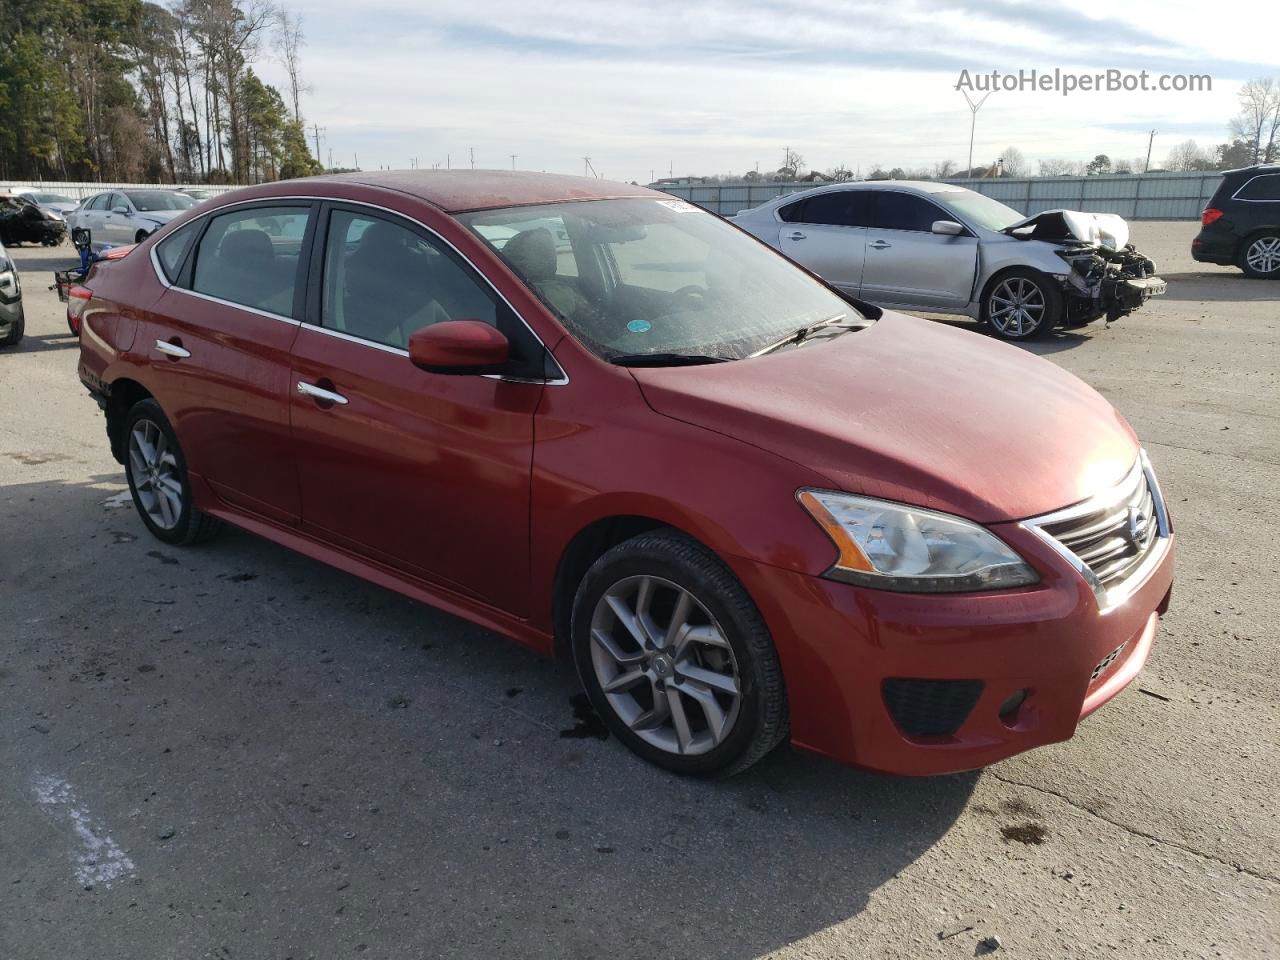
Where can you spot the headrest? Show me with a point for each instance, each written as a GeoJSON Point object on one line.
{"type": "Point", "coordinates": [246, 247]}
{"type": "Point", "coordinates": [533, 254]}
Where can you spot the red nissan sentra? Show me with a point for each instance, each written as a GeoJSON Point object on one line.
{"type": "Point", "coordinates": [602, 421]}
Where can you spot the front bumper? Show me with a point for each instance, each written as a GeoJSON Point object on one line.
{"type": "Point", "coordinates": [844, 648]}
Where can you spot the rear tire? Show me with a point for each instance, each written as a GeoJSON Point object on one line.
{"type": "Point", "coordinates": [1023, 304]}
{"type": "Point", "coordinates": [693, 676]}
{"type": "Point", "coordinates": [1260, 255]}
{"type": "Point", "coordinates": [158, 480]}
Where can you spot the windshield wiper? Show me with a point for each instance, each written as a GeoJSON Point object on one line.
{"type": "Point", "coordinates": [803, 333]}
{"type": "Point", "coordinates": [664, 359]}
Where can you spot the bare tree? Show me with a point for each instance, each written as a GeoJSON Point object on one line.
{"type": "Point", "coordinates": [1188, 155]}
{"type": "Point", "coordinates": [1258, 121]}
{"type": "Point", "coordinates": [840, 173]}
{"type": "Point", "coordinates": [792, 164]}
{"type": "Point", "coordinates": [1013, 162]}
{"type": "Point", "coordinates": [289, 40]}
{"type": "Point", "coordinates": [1055, 167]}
{"type": "Point", "coordinates": [944, 169]}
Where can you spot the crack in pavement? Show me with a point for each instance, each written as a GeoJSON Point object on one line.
{"type": "Point", "coordinates": [1238, 867]}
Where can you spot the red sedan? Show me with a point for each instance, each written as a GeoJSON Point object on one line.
{"type": "Point", "coordinates": [604, 422]}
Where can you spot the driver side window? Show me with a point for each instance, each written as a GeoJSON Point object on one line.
{"type": "Point", "coordinates": [382, 282]}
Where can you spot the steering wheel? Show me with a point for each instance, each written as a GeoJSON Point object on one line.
{"type": "Point", "coordinates": [692, 290]}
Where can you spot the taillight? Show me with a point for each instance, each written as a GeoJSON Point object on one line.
{"type": "Point", "coordinates": [78, 298]}
{"type": "Point", "coordinates": [117, 253]}
{"type": "Point", "coordinates": [1210, 214]}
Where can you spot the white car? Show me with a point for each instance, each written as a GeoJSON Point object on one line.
{"type": "Point", "coordinates": [126, 215]}
{"type": "Point", "coordinates": [50, 202]}
{"type": "Point", "coordinates": [939, 248]}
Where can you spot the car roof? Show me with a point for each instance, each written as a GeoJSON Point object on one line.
{"type": "Point", "coordinates": [911, 186]}
{"type": "Point", "coordinates": [456, 191]}
{"type": "Point", "coordinates": [1255, 169]}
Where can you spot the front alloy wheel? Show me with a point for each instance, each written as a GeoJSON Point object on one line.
{"type": "Point", "coordinates": [1022, 304]}
{"type": "Point", "coordinates": [676, 658]}
{"type": "Point", "coordinates": [665, 665]}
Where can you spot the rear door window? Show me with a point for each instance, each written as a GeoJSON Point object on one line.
{"type": "Point", "coordinates": [838, 208]}
{"type": "Point", "coordinates": [1266, 187]}
{"type": "Point", "coordinates": [905, 211]}
{"type": "Point", "coordinates": [172, 250]}
{"type": "Point", "coordinates": [252, 257]}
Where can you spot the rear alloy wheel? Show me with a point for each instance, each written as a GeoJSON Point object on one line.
{"type": "Point", "coordinates": [675, 657]}
{"type": "Point", "coordinates": [1261, 255]}
{"type": "Point", "coordinates": [1022, 304]}
{"type": "Point", "coordinates": [157, 474]}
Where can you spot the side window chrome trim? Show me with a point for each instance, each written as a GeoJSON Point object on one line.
{"type": "Point", "coordinates": [155, 264]}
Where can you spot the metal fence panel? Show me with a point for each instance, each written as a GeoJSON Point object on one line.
{"type": "Point", "coordinates": [1154, 196]}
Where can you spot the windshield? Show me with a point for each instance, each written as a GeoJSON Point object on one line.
{"type": "Point", "coordinates": [149, 200]}
{"type": "Point", "coordinates": [655, 276]}
{"type": "Point", "coordinates": [49, 198]}
{"type": "Point", "coordinates": [978, 209]}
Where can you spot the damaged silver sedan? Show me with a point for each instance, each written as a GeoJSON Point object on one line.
{"type": "Point", "coordinates": [939, 248]}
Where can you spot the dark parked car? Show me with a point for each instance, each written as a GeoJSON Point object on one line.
{"type": "Point", "coordinates": [12, 321]}
{"type": "Point", "coordinates": [1241, 224]}
{"type": "Point", "coordinates": [602, 421]}
{"type": "Point", "coordinates": [21, 221]}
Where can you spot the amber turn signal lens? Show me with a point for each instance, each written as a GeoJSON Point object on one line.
{"type": "Point", "coordinates": [851, 556]}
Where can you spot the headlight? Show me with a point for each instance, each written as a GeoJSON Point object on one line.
{"type": "Point", "coordinates": [895, 547]}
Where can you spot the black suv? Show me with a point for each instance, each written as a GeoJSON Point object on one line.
{"type": "Point", "coordinates": [1241, 224]}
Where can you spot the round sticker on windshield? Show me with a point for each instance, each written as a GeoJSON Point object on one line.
{"type": "Point", "coordinates": [639, 326]}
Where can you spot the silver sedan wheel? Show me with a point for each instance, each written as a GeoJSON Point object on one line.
{"type": "Point", "coordinates": [154, 470]}
{"type": "Point", "coordinates": [1263, 254]}
{"type": "Point", "coordinates": [1016, 307]}
{"type": "Point", "coordinates": [665, 665]}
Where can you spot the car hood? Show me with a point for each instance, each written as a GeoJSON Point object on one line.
{"type": "Point", "coordinates": [1099, 229]}
{"type": "Point", "coordinates": [60, 207]}
{"type": "Point", "coordinates": [917, 412]}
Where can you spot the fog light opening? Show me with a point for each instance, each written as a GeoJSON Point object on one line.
{"type": "Point", "coordinates": [1012, 706]}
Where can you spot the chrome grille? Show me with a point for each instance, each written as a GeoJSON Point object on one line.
{"type": "Point", "coordinates": [1111, 537]}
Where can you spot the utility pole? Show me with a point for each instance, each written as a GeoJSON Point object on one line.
{"type": "Point", "coordinates": [513, 161]}
{"type": "Point", "coordinates": [473, 157]}
{"type": "Point", "coordinates": [318, 130]}
{"type": "Point", "coordinates": [973, 123]}
{"type": "Point", "coordinates": [1150, 140]}
{"type": "Point", "coordinates": [356, 157]}
{"type": "Point", "coordinates": [448, 162]}
{"type": "Point", "coordinates": [331, 158]}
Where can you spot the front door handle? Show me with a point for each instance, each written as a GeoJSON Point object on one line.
{"type": "Point", "coordinates": [879, 245]}
{"type": "Point", "coordinates": [320, 393]}
{"type": "Point", "coordinates": [175, 350]}
{"type": "Point", "coordinates": [795, 235]}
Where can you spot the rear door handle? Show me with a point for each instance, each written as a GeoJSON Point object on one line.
{"type": "Point", "coordinates": [175, 350]}
{"type": "Point", "coordinates": [320, 393]}
{"type": "Point", "coordinates": [795, 235]}
{"type": "Point", "coordinates": [879, 245]}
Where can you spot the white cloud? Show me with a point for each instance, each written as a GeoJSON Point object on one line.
{"type": "Point", "coordinates": [717, 86]}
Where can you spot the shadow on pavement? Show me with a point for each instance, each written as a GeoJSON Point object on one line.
{"type": "Point", "coordinates": [298, 762]}
{"type": "Point", "coordinates": [1230, 287]}
{"type": "Point", "coordinates": [38, 344]}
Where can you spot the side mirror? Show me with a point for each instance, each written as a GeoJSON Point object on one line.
{"type": "Point", "coordinates": [120, 210]}
{"type": "Point", "coordinates": [947, 228]}
{"type": "Point", "coordinates": [459, 347]}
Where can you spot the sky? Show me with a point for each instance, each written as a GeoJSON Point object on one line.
{"type": "Point", "coordinates": [647, 89]}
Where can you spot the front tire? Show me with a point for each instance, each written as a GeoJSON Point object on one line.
{"type": "Point", "coordinates": [675, 657]}
{"type": "Point", "coordinates": [1260, 256]}
{"type": "Point", "coordinates": [15, 333]}
{"type": "Point", "coordinates": [1023, 304]}
{"type": "Point", "coordinates": [158, 481]}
